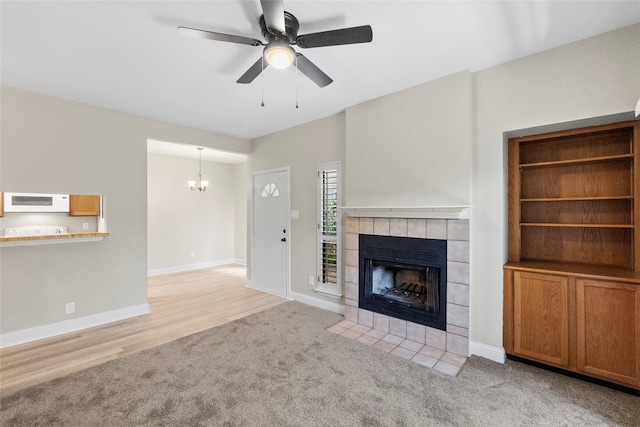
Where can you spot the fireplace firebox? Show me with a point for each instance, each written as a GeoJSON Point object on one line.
{"type": "Point", "coordinates": [405, 278]}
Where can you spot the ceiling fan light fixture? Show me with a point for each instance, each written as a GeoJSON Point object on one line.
{"type": "Point", "coordinates": [279, 54]}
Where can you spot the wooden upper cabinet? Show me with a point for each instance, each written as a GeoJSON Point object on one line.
{"type": "Point", "coordinates": [84, 205]}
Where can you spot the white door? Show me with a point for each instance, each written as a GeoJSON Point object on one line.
{"type": "Point", "coordinates": [270, 266]}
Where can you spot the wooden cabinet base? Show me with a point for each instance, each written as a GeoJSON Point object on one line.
{"type": "Point", "coordinates": [541, 317]}
{"type": "Point", "coordinates": [588, 325]}
{"type": "Point", "coordinates": [608, 330]}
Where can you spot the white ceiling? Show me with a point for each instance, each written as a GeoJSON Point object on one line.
{"type": "Point", "coordinates": [127, 55]}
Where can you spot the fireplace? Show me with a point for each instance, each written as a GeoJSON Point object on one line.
{"type": "Point", "coordinates": [455, 231]}
{"type": "Point", "coordinates": [405, 278]}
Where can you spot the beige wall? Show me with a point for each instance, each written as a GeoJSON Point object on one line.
{"type": "Point", "coordinates": [412, 148]}
{"type": "Point", "coordinates": [240, 185]}
{"type": "Point", "coordinates": [57, 146]}
{"type": "Point", "coordinates": [302, 148]}
{"type": "Point", "coordinates": [191, 228]}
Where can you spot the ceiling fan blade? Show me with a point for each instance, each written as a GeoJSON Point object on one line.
{"type": "Point", "coordinates": [310, 70]}
{"type": "Point", "coordinates": [209, 35]}
{"type": "Point", "coordinates": [362, 34]}
{"type": "Point", "coordinates": [253, 72]}
{"type": "Point", "coordinates": [273, 11]}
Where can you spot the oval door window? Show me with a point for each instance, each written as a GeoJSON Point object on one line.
{"type": "Point", "coordinates": [270, 190]}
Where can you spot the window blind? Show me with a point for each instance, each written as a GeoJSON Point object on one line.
{"type": "Point", "coordinates": [328, 280]}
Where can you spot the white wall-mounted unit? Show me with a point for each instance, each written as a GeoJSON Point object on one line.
{"type": "Point", "coordinates": [36, 202]}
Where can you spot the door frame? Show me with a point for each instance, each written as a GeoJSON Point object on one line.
{"type": "Point", "coordinates": [287, 170]}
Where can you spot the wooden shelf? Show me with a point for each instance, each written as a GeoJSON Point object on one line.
{"type": "Point", "coordinates": [576, 161]}
{"type": "Point", "coordinates": [575, 199]}
{"type": "Point", "coordinates": [572, 196]}
{"type": "Point", "coordinates": [577, 181]}
{"type": "Point", "coordinates": [577, 270]}
{"type": "Point", "coordinates": [542, 224]}
{"type": "Point", "coordinates": [577, 212]}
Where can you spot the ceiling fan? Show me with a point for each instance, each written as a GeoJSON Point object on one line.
{"type": "Point", "coordinates": [280, 29]}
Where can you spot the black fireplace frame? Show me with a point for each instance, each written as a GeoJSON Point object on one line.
{"type": "Point", "coordinates": [402, 252]}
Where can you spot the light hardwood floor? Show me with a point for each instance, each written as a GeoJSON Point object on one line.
{"type": "Point", "coordinates": [180, 304]}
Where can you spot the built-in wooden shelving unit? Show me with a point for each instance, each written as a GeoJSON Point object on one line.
{"type": "Point", "coordinates": [571, 285]}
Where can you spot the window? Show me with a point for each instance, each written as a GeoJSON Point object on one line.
{"type": "Point", "coordinates": [270, 190]}
{"type": "Point", "coordinates": [329, 230]}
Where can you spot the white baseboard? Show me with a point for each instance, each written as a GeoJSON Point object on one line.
{"type": "Point", "coordinates": [496, 354]}
{"type": "Point", "coordinates": [22, 336]}
{"type": "Point", "coordinates": [187, 267]}
{"type": "Point", "coordinates": [317, 302]}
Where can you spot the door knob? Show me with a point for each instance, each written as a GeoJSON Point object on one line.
{"type": "Point", "coordinates": [284, 239]}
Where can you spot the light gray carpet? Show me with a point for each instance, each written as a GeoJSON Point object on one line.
{"type": "Point", "coordinates": [282, 368]}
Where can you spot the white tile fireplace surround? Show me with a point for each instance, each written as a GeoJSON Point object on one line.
{"type": "Point", "coordinates": [456, 232]}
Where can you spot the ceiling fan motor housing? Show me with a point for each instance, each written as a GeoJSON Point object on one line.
{"type": "Point", "coordinates": [291, 26]}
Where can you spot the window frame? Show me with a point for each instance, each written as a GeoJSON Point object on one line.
{"type": "Point", "coordinates": [327, 288]}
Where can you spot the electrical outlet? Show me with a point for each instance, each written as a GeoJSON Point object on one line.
{"type": "Point", "coordinates": [85, 225]}
{"type": "Point", "coordinates": [70, 308]}
{"type": "Point", "coordinates": [312, 281]}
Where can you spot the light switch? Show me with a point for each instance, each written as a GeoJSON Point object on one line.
{"type": "Point", "coordinates": [295, 214]}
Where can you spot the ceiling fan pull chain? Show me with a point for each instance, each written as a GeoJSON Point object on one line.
{"type": "Point", "coordinates": [296, 81]}
{"type": "Point", "coordinates": [262, 81]}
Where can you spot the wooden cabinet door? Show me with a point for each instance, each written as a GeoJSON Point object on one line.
{"type": "Point", "coordinates": [608, 327]}
{"type": "Point", "coordinates": [541, 317]}
{"type": "Point", "coordinates": [82, 205]}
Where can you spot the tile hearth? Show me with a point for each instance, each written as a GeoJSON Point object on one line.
{"type": "Point", "coordinates": [444, 350]}
{"type": "Point", "coordinates": [425, 355]}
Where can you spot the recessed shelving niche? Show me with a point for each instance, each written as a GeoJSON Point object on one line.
{"type": "Point", "coordinates": [572, 282]}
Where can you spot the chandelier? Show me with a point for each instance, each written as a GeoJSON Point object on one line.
{"type": "Point", "coordinates": [202, 185]}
